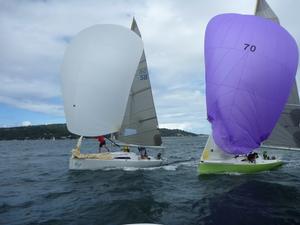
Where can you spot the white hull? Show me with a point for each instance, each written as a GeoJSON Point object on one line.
{"type": "Point", "coordinates": [118, 160]}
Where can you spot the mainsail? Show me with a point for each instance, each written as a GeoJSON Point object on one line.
{"type": "Point", "coordinates": [262, 9]}
{"type": "Point", "coordinates": [287, 130]}
{"type": "Point", "coordinates": [140, 124]}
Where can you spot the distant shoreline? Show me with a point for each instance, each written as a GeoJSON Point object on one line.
{"type": "Point", "coordinates": [59, 131]}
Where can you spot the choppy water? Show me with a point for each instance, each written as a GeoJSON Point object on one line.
{"type": "Point", "coordinates": [36, 187]}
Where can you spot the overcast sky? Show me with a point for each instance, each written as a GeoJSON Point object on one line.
{"type": "Point", "coordinates": [34, 35]}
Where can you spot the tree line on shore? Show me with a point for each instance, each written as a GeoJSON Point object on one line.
{"type": "Point", "coordinates": [60, 131]}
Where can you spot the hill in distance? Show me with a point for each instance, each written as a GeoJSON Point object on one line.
{"type": "Point", "coordinates": [59, 131]}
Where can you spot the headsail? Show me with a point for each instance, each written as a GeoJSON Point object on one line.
{"type": "Point", "coordinates": [140, 124]}
{"type": "Point", "coordinates": [248, 80]}
{"type": "Point", "coordinates": [287, 131]}
{"type": "Point", "coordinates": [97, 73]}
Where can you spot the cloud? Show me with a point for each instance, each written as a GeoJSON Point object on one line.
{"type": "Point", "coordinates": [28, 88]}
{"type": "Point", "coordinates": [180, 126]}
{"type": "Point", "coordinates": [26, 123]}
{"type": "Point", "coordinates": [182, 106]}
{"type": "Point", "coordinates": [34, 106]}
{"type": "Point", "coordinates": [34, 35]}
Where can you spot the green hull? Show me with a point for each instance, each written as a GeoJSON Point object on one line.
{"type": "Point", "coordinates": [215, 168]}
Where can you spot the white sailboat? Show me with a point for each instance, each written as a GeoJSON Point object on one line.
{"type": "Point", "coordinates": [98, 74]}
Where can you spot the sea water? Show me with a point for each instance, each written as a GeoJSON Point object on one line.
{"type": "Point", "coordinates": [36, 187]}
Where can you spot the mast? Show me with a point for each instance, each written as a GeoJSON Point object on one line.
{"type": "Point", "coordinates": [286, 132]}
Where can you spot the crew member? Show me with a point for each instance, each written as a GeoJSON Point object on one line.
{"type": "Point", "coordinates": [102, 143]}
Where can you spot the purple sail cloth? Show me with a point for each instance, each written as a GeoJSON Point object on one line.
{"type": "Point", "coordinates": [250, 64]}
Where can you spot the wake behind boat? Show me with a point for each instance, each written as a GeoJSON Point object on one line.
{"type": "Point", "coordinates": [133, 124]}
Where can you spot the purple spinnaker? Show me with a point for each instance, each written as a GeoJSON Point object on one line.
{"type": "Point", "coordinates": [250, 64]}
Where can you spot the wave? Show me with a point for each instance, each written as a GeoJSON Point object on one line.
{"type": "Point", "coordinates": [292, 163]}
{"type": "Point", "coordinates": [4, 207]}
{"type": "Point", "coordinates": [54, 195]}
{"type": "Point", "coordinates": [169, 166]}
{"type": "Point", "coordinates": [191, 162]}
{"type": "Point", "coordinates": [164, 167]}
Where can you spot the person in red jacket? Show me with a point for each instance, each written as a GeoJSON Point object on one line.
{"type": "Point", "coordinates": [102, 143]}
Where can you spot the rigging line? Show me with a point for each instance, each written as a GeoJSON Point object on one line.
{"type": "Point", "coordinates": [113, 142]}
{"type": "Point", "coordinates": [150, 118]}
{"type": "Point", "coordinates": [140, 91]}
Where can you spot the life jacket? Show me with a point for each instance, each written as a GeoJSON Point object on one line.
{"type": "Point", "coordinates": [101, 139]}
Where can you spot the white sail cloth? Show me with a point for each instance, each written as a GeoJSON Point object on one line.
{"type": "Point", "coordinates": [97, 72]}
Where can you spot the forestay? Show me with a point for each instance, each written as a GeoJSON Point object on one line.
{"type": "Point", "coordinates": [97, 73]}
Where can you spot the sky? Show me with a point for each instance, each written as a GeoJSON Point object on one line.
{"type": "Point", "coordinates": [34, 35]}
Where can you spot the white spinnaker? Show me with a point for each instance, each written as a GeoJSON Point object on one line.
{"type": "Point", "coordinates": [97, 72]}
